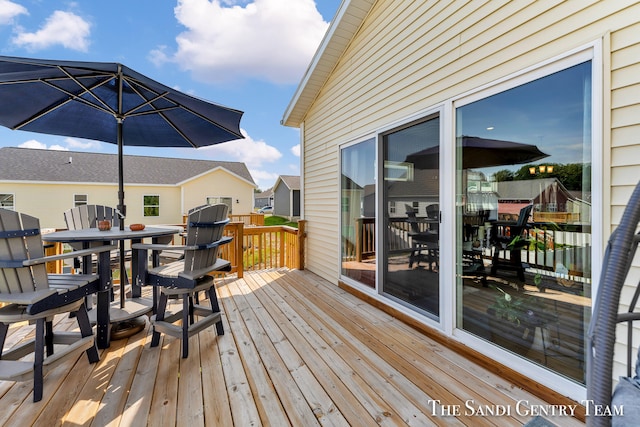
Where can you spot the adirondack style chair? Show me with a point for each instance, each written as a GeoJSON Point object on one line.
{"type": "Point", "coordinates": [186, 277]}
{"type": "Point", "coordinates": [422, 241]}
{"type": "Point", "coordinates": [30, 294]}
{"type": "Point", "coordinates": [511, 242]}
{"type": "Point", "coordinates": [88, 216]}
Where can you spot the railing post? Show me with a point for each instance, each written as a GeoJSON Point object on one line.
{"type": "Point", "coordinates": [302, 234]}
{"type": "Point", "coordinates": [239, 244]}
{"type": "Point", "coordinates": [283, 247]}
{"type": "Point", "coordinates": [359, 234]}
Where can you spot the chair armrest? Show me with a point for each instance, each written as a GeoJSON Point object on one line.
{"type": "Point", "coordinates": [74, 254]}
{"type": "Point", "coordinates": [159, 247]}
{"type": "Point", "coordinates": [156, 246]}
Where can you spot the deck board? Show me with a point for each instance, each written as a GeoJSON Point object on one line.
{"type": "Point", "coordinates": [296, 351]}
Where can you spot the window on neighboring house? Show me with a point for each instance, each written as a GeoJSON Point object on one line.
{"type": "Point", "coordinates": [6, 201]}
{"type": "Point", "coordinates": [226, 200]}
{"type": "Point", "coordinates": [151, 205]}
{"type": "Point", "coordinates": [80, 200]}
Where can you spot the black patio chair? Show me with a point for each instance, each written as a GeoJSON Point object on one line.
{"type": "Point", "coordinates": [509, 238]}
{"type": "Point", "coordinates": [424, 243]}
{"type": "Point", "coordinates": [607, 314]}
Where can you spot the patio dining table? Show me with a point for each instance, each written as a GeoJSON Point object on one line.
{"type": "Point", "coordinates": [108, 313]}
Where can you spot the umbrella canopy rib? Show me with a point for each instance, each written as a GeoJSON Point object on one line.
{"type": "Point", "coordinates": [72, 97]}
{"type": "Point", "coordinates": [86, 90]}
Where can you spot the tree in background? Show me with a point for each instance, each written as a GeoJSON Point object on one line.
{"type": "Point", "coordinates": [571, 175]}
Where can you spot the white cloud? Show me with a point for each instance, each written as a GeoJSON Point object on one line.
{"type": "Point", "coordinates": [61, 28]}
{"type": "Point", "coordinates": [295, 150]}
{"type": "Point", "coordinates": [263, 179]}
{"type": "Point", "coordinates": [32, 143]}
{"type": "Point", "coordinates": [82, 144]}
{"type": "Point", "coordinates": [9, 10]}
{"type": "Point", "coordinates": [249, 151]}
{"type": "Point", "coordinates": [272, 40]}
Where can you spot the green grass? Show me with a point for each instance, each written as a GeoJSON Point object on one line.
{"type": "Point", "coordinates": [278, 220]}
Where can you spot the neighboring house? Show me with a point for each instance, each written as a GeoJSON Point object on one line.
{"type": "Point", "coordinates": [391, 79]}
{"type": "Point", "coordinates": [549, 197]}
{"type": "Point", "coordinates": [264, 198]}
{"type": "Point", "coordinates": [158, 190]}
{"type": "Point", "coordinates": [286, 196]}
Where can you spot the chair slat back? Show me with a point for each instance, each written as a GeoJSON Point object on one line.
{"type": "Point", "coordinates": [87, 216]}
{"type": "Point", "coordinates": [204, 226]}
{"type": "Point", "coordinates": [412, 219]}
{"type": "Point", "coordinates": [20, 240]}
{"type": "Point", "coordinates": [523, 216]}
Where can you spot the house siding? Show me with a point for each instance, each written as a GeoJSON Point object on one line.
{"type": "Point", "coordinates": [410, 56]}
{"type": "Point", "coordinates": [625, 143]}
{"type": "Point", "coordinates": [219, 183]}
{"type": "Point", "coordinates": [48, 201]}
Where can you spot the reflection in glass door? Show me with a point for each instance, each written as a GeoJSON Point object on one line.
{"type": "Point", "coordinates": [411, 215]}
{"type": "Point", "coordinates": [357, 212]}
{"type": "Point", "coordinates": [524, 219]}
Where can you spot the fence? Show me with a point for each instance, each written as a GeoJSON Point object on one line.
{"type": "Point", "coordinates": [555, 243]}
{"type": "Point", "coordinates": [259, 248]}
{"type": "Point", "coordinates": [252, 248]}
{"type": "Point", "coordinates": [246, 219]}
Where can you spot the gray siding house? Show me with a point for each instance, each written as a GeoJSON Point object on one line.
{"type": "Point", "coordinates": [286, 196]}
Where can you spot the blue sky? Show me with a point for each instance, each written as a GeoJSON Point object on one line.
{"type": "Point", "coordinates": [248, 55]}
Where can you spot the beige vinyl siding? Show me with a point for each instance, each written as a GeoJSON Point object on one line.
{"type": "Point", "coordinates": [48, 201]}
{"type": "Point", "coordinates": [218, 183]}
{"type": "Point", "coordinates": [410, 56]}
{"type": "Point", "coordinates": [625, 146]}
{"type": "Point", "coordinates": [321, 180]}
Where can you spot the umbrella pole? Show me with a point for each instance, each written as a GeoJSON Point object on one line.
{"type": "Point", "coordinates": [123, 211]}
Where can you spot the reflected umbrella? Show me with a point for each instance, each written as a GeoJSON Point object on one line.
{"type": "Point", "coordinates": [481, 153]}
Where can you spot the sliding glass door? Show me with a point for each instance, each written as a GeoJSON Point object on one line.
{"type": "Point", "coordinates": [411, 215]}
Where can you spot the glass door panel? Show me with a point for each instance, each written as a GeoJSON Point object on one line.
{"type": "Point", "coordinates": [411, 215]}
{"type": "Point", "coordinates": [357, 219]}
{"type": "Point", "coordinates": [523, 224]}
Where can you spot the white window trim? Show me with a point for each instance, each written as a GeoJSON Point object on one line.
{"type": "Point", "coordinates": [143, 205]}
{"type": "Point", "coordinates": [13, 208]}
{"type": "Point", "coordinates": [79, 194]}
{"type": "Point", "coordinates": [590, 52]}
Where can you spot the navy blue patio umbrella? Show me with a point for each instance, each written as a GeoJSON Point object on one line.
{"type": "Point", "coordinates": [108, 102]}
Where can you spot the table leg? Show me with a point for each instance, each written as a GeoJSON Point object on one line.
{"type": "Point", "coordinates": [136, 289]}
{"type": "Point", "coordinates": [103, 306]}
{"type": "Point", "coordinates": [103, 319]}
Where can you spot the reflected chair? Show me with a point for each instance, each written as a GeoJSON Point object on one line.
{"type": "Point", "coordinates": [424, 243]}
{"type": "Point", "coordinates": [31, 295]}
{"type": "Point", "coordinates": [509, 238]}
{"type": "Point", "coordinates": [186, 277]}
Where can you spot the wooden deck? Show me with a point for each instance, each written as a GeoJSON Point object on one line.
{"type": "Point", "coordinates": [297, 351]}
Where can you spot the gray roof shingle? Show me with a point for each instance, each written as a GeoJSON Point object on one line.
{"type": "Point", "coordinates": [25, 164]}
{"type": "Point", "coordinates": [291, 181]}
